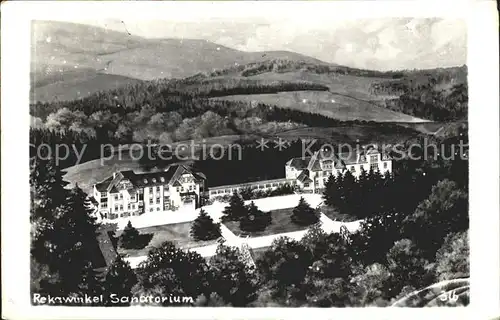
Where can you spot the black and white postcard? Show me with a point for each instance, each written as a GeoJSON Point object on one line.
{"type": "Point", "coordinates": [250, 160]}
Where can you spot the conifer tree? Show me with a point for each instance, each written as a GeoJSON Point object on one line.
{"type": "Point", "coordinates": [236, 209]}
{"type": "Point", "coordinates": [130, 236]}
{"type": "Point", "coordinates": [303, 214]}
{"type": "Point", "coordinates": [63, 232]}
{"type": "Point", "coordinates": [330, 193]}
{"type": "Point", "coordinates": [204, 228]}
{"type": "Point", "coordinates": [255, 220]}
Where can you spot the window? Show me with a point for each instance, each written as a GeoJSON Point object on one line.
{"type": "Point", "coordinates": [157, 208]}
{"type": "Point", "coordinates": [128, 206]}
{"type": "Point", "coordinates": [374, 158]}
{"type": "Point", "coordinates": [150, 189]}
{"type": "Point", "coordinates": [306, 185]}
{"type": "Point", "coordinates": [151, 201]}
{"type": "Point", "coordinates": [162, 179]}
{"type": "Point", "coordinates": [178, 189]}
{"type": "Point", "coordinates": [104, 205]}
{"type": "Point", "coordinates": [154, 180]}
{"type": "Point", "coordinates": [191, 187]}
{"type": "Point", "coordinates": [116, 208]}
{"type": "Point", "coordinates": [150, 209]}
{"type": "Point", "coordinates": [116, 197]}
{"type": "Point", "coordinates": [121, 207]}
{"type": "Point", "coordinates": [121, 196]}
{"type": "Point", "coordinates": [158, 189]}
{"type": "Point", "coordinates": [385, 165]}
{"type": "Point", "coordinates": [132, 197]}
{"type": "Point", "coordinates": [353, 169]}
{"type": "Point", "coordinates": [374, 166]}
{"type": "Point", "coordinates": [157, 200]}
{"type": "Point", "coordinates": [145, 180]}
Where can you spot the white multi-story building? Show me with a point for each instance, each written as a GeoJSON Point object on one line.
{"type": "Point", "coordinates": [312, 173]}
{"type": "Point", "coordinates": [127, 193]}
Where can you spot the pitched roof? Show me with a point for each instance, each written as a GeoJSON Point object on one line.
{"type": "Point", "coordinates": [140, 180]}
{"type": "Point", "coordinates": [299, 163]}
{"type": "Point", "coordinates": [103, 186]}
{"type": "Point", "coordinates": [304, 176]}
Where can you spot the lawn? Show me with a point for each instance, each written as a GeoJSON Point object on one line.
{"type": "Point", "coordinates": [281, 223]}
{"type": "Point", "coordinates": [177, 233]}
{"type": "Point", "coordinates": [335, 215]}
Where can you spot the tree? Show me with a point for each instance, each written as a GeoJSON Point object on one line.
{"type": "Point", "coordinates": [119, 280]}
{"type": "Point", "coordinates": [452, 259]}
{"type": "Point", "coordinates": [376, 235]}
{"type": "Point", "coordinates": [313, 237]}
{"type": "Point", "coordinates": [328, 293]}
{"type": "Point", "coordinates": [169, 271]}
{"type": "Point", "coordinates": [130, 236]}
{"type": "Point", "coordinates": [303, 214]}
{"type": "Point", "coordinates": [408, 267]}
{"type": "Point", "coordinates": [204, 228]}
{"type": "Point", "coordinates": [444, 211]}
{"type": "Point", "coordinates": [232, 279]}
{"type": "Point", "coordinates": [63, 233]}
{"type": "Point", "coordinates": [283, 267]}
{"type": "Point", "coordinates": [371, 285]}
{"type": "Point", "coordinates": [235, 210]}
{"type": "Point", "coordinates": [331, 193]}
{"type": "Point", "coordinates": [255, 220]}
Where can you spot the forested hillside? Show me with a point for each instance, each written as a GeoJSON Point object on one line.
{"type": "Point", "coordinates": [439, 94]}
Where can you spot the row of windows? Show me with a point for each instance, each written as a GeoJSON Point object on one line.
{"type": "Point", "coordinates": [182, 189]}
{"type": "Point", "coordinates": [120, 207]}
{"type": "Point", "coordinates": [262, 186]}
{"type": "Point", "coordinates": [122, 215]}
{"type": "Point", "coordinates": [373, 166]}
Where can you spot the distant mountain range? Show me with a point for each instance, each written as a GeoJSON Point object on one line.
{"type": "Point", "coordinates": [70, 61]}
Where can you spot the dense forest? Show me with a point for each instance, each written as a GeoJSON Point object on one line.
{"type": "Point", "coordinates": [415, 227]}
{"type": "Point", "coordinates": [410, 240]}
{"type": "Point", "coordinates": [439, 95]}
{"type": "Point", "coordinates": [283, 65]}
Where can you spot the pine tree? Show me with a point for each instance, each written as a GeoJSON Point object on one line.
{"type": "Point", "coordinates": [63, 232]}
{"type": "Point", "coordinates": [255, 220]}
{"type": "Point", "coordinates": [204, 228]}
{"type": "Point", "coordinates": [303, 214]}
{"type": "Point", "coordinates": [236, 209]}
{"type": "Point", "coordinates": [330, 193]}
{"type": "Point", "coordinates": [129, 237]}
{"type": "Point", "coordinates": [119, 280]}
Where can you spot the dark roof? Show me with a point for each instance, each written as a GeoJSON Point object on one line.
{"type": "Point", "coordinates": [315, 166]}
{"type": "Point", "coordinates": [103, 186]}
{"type": "Point", "coordinates": [304, 176]}
{"type": "Point", "coordinates": [348, 157]}
{"type": "Point", "coordinates": [140, 180]}
{"type": "Point", "coordinates": [299, 163]}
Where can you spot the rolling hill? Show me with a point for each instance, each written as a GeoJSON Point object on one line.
{"type": "Point", "coordinates": [329, 104]}
{"type": "Point", "coordinates": [62, 51]}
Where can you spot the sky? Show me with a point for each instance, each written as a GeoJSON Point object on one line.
{"type": "Point", "coordinates": [373, 43]}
